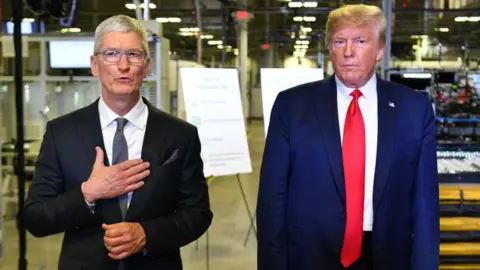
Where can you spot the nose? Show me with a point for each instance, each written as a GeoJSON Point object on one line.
{"type": "Point", "coordinates": [349, 49]}
{"type": "Point", "coordinates": [123, 64]}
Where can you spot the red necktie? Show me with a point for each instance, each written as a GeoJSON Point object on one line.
{"type": "Point", "coordinates": [353, 152]}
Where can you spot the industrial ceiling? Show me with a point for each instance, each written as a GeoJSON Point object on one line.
{"type": "Point", "coordinates": [273, 24]}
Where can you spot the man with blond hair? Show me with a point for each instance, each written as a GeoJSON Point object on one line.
{"type": "Point", "coordinates": [349, 174]}
{"type": "Point", "coordinates": [123, 180]}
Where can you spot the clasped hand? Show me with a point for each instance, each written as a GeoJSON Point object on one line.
{"type": "Point", "coordinates": [123, 239]}
{"type": "Point", "coordinates": [112, 181]}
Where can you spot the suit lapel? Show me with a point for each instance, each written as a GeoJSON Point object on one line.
{"type": "Point", "coordinates": [325, 103]}
{"type": "Point", "coordinates": [386, 136]}
{"type": "Point", "coordinates": [154, 145]}
{"type": "Point", "coordinates": [91, 136]}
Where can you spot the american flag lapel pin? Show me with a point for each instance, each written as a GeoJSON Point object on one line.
{"type": "Point", "coordinates": [391, 104]}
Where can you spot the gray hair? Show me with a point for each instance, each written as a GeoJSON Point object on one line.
{"type": "Point", "coordinates": [120, 23]}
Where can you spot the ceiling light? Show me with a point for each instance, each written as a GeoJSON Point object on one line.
{"type": "Point", "coordinates": [296, 4]}
{"type": "Point", "coordinates": [130, 6]}
{"type": "Point", "coordinates": [304, 19]}
{"type": "Point", "coordinates": [133, 6]}
{"type": "Point", "coordinates": [304, 42]}
{"type": "Point", "coordinates": [220, 47]}
{"type": "Point", "coordinates": [206, 36]}
{"type": "Point", "coordinates": [417, 75]}
{"type": "Point", "coordinates": [150, 5]}
{"type": "Point", "coordinates": [442, 29]}
{"type": "Point", "coordinates": [70, 30]}
{"type": "Point", "coordinates": [215, 42]}
{"type": "Point", "coordinates": [187, 34]}
{"type": "Point", "coordinates": [306, 29]}
{"type": "Point", "coordinates": [301, 46]}
{"type": "Point", "coordinates": [189, 29]}
{"type": "Point", "coordinates": [28, 20]}
{"type": "Point", "coordinates": [169, 20]}
{"type": "Point", "coordinates": [309, 18]}
{"type": "Point", "coordinates": [467, 19]}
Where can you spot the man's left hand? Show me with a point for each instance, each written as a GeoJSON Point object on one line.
{"type": "Point", "coordinates": [123, 239]}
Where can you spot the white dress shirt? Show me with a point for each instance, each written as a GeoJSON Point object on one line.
{"type": "Point", "coordinates": [134, 130]}
{"type": "Point", "coordinates": [368, 106]}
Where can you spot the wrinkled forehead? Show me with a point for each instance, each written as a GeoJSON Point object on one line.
{"type": "Point", "coordinates": [354, 32]}
{"type": "Point", "coordinates": [122, 41]}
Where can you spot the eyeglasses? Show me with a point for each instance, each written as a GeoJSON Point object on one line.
{"type": "Point", "coordinates": [114, 56]}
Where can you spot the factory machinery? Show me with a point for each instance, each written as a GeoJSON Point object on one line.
{"type": "Point", "coordinates": [457, 107]}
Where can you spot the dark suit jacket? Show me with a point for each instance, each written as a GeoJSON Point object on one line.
{"type": "Point", "coordinates": [172, 206]}
{"type": "Point", "coordinates": [301, 205]}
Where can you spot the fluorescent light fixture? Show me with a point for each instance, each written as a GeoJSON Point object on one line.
{"type": "Point", "coordinates": [467, 19]}
{"type": "Point", "coordinates": [304, 19]}
{"type": "Point", "coordinates": [418, 36]}
{"type": "Point", "coordinates": [300, 46]}
{"type": "Point", "coordinates": [215, 42]}
{"type": "Point", "coordinates": [206, 36]}
{"type": "Point", "coordinates": [306, 29]}
{"type": "Point", "coordinates": [302, 37]}
{"type": "Point", "coordinates": [28, 20]}
{"type": "Point", "coordinates": [187, 34]}
{"type": "Point", "coordinates": [133, 6]}
{"type": "Point", "coordinates": [296, 4]}
{"type": "Point", "coordinates": [150, 5]}
{"type": "Point", "coordinates": [189, 29]}
{"type": "Point", "coordinates": [70, 30]}
{"type": "Point", "coordinates": [130, 6]}
{"type": "Point", "coordinates": [442, 29]}
{"type": "Point", "coordinates": [169, 20]}
{"type": "Point", "coordinates": [309, 18]}
{"type": "Point", "coordinates": [220, 47]}
{"type": "Point", "coordinates": [417, 75]}
{"type": "Point", "coordinates": [304, 42]}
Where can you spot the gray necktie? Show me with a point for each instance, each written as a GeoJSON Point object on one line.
{"type": "Point", "coordinates": [120, 154]}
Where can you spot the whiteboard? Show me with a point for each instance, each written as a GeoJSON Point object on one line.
{"type": "Point", "coordinates": [213, 104]}
{"type": "Point", "coordinates": [275, 80]}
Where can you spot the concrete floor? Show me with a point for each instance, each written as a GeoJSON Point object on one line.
{"type": "Point", "coordinates": [226, 236]}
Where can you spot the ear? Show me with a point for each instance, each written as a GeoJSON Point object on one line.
{"type": "Point", "coordinates": [93, 65]}
{"type": "Point", "coordinates": [148, 65]}
{"type": "Point", "coordinates": [380, 52]}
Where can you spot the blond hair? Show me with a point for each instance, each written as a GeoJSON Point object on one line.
{"type": "Point", "coordinates": [358, 15]}
{"type": "Point", "coordinates": [120, 23]}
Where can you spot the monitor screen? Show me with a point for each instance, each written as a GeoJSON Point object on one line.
{"type": "Point", "coordinates": [26, 27]}
{"type": "Point", "coordinates": [414, 83]}
{"type": "Point", "coordinates": [70, 54]}
{"type": "Point", "coordinates": [445, 77]}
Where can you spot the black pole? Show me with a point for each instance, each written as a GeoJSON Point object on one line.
{"type": "Point", "coordinates": [20, 166]}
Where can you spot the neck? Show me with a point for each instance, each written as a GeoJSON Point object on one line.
{"type": "Point", "coordinates": [121, 105]}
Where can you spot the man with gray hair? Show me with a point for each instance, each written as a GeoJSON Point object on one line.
{"type": "Point", "coordinates": [123, 180]}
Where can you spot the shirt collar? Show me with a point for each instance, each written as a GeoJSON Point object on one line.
{"type": "Point", "coordinates": [368, 90]}
{"type": "Point", "coordinates": [136, 116]}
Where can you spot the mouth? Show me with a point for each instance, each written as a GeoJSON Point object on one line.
{"type": "Point", "coordinates": [124, 80]}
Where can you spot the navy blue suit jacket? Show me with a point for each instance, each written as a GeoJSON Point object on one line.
{"type": "Point", "coordinates": [301, 205]}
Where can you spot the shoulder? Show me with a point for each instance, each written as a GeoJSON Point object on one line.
{"type": "Point", "coordinates": [303, 91]}
{"type": "Point", "coordinates": [406, 95]}
{"type": "Point", "coordinates": [173, 124]}
{"type": "Point", "coordinates": [72, 119]}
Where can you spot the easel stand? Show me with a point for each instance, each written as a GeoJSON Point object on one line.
{"type": "Point", "coordinates": [207, 249]}
{"type": "Point", "coordinates": [251, 219]}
